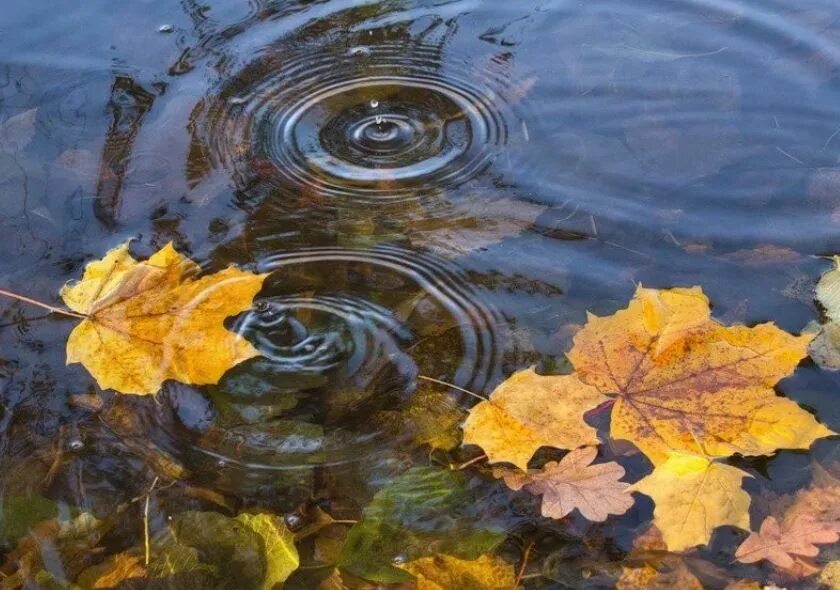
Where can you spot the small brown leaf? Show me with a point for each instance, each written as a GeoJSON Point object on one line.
{"type": "Point", "coordinates": [779, 545]}
{"type": "Point", "coordinates": [595, 490]}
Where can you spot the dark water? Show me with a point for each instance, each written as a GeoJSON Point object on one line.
{"type": "Point", "coordinates": [440, 188]}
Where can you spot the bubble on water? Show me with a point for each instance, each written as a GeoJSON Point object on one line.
{"type": "Point", "coordinates": [359, 51]}
{"type": "Point", "coordinates": [374, 104]}
{"type": "Point", "coordinates": [293, 521]}
{"type": "Point", "coordinates": [400, 559]}
{"type": "Point", "coordinates": [165, 28]}
{"type": "Point", "coordinates": [76, 444]}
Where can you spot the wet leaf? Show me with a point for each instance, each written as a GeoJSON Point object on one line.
{"type": "Point", "coordinates": [16, 132]}
{"type": "Point", "coordinates": [259, 548]}
{"type": "Point", "coordinates": [693, 496]}
{"type": "Point", "coordinates": [830, 575]}
{"type": "Point", "coordinates": [684, 382]}
{"type": "Point", "coordinates": [828, 291]}
{"type": "Point", "coordinates": [529, 411]}
{"type": "Point", "coordinates": [113, 571]}
{"type": "Point", "coordinates": [421, 512]}
{"type": "Point", "coordinates": [574, 483]}
{"type": "Point", "coordinates": [779, 545]}
{"type": "Point", "coordinates": [646, 577]}
{"type": "Point", "coordinates": [444, 572]}
{"type": "Point", "coordinates": [825, 348]}
{"type": "Point", "coordinates": [431, 418]}
{"type": "Point", "coordinates": [154, 320]}
{"type": "Point", "coordinates": [20, 513]}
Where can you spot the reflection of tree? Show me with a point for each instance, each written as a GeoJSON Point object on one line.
{"type": "Point", "coordinates": [128, 105]}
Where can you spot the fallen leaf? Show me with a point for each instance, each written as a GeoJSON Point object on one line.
{"type": "Point", "coordinates": [668, 577]}
{"type": "Point", "coordinates": [431, 418]}
{"type": "Point", "coordinates": [828, 291]}
{"type": "Point", "coordinates": [528, 411]}
{"type": "Point", "coordinates": [420, 512]}
{"type": "Point", "coordinates": [595, 490]}
{"type": "Point", "coordinates": [830, 575]}
{"type": "Point", "coordinates": [151, 321]}
{"type": "Point", "coordinates": [684, 382]}
{"type": "Point", "coordinates": [113, 571]}
{"type": "Point", "coordinates": [825, 347]}
{"type": "Point", "coordinates": [444, 572]}
{"type": "Point", "coordinates": [693, 496]}
{"type": "Point", "coordinates": [281, 556]}
{"type": "Point", "coordinates": [16, 132]}
{"type": "Point", "coordinates": [779, 545]}
{"type": "Point", "coordinates": [821, 503]}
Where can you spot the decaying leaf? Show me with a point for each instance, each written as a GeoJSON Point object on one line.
{"type": "Point", "coordinates": [684, 382]}
{"type": "Point", "coordinates": [420, 512]}
{"type": "Point", "coordinates": [825, 348]}
{"type": "Point", "coordinates": [113, 571]}
{"type": "Point", "coordinates": [595, 490]}
{"type": "Point", "coordinates": [693, 496]}
{"type": "Point", "coordinates": [779, 545]}
{"type": "Point", "coordinates": [674, 575]}
{"type": "Point", "coordinates": [444, 572]}
{"type": "Point", "coordinates": [154, 320]}
{"type": "Point", "coordinates": [830, 575]}
{"type": "Point", "coordinates": [529, 411]}
{"type": "Point", "coordinates": [431, 418]}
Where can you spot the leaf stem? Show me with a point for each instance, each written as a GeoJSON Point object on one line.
{"type": "Point", "coordinates": [472, 461]}
{"type": "Point", "coordinates": [146, 543]}
{"type": "Point", "coordinates": [53, 309]}
{"type": "Point", "coordinates": [525, 557]}
{"type": "Point", "coordinates": [461, 389]}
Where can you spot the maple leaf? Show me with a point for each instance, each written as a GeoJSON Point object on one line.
{"type": "Point", "coordinates": [146, 322]}
{"type": "Point", "coordinates": [693, 496]}
{"type": "Point", "coordinates": [779, 544]}
{"type": "Point", "coordinates": [444, 572]}
{"type": "Point", "coordinates": [684, 382]}
{"type": "Point", "coordinates": [528, 411]}
{"type": "Point", "coordinates": [595, 490]}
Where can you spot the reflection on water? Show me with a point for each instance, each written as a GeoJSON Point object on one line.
{"type": "Point", "coordinates": [438, 188]}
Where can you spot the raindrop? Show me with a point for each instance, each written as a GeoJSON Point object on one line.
{"type": "Point", "coordinates": [293, 521]}
{"type": "Point", "coordinates": [76, 444]}
{"type": "Point", "coordinates": [374, 103]}
{"type": "Point", "coordinates": [165, 28]}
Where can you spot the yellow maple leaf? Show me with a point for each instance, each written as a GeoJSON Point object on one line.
{"type": "Point", "coordinates": [684, 382]}
{"type": "Point", "coordinates": [528, 411]}
{"type": "Point", "coordinates": [155, 320]}
{"type": "Point", "coordinates": [444, 572]}
{"type": "Point", "coordinates": [693, 496]}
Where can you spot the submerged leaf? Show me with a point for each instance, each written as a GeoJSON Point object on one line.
{"type": "Point", "coordinates": [574, 483]}
{"type": "Point", "coordinates": [444, 572]}
{"type": "Point", "coordinates": [529, 411]}
{"type": "Point", "coordinates": [154, 320]}
{"type": "Point", "coordinates": [421, 512]}
{"type": "Point", "coordinates": [693, 496]}
{"type": "Point", "coordinates": [673, 575]}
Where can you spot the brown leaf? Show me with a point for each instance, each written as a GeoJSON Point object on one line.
{"type": "Point", "coordinates": [672, 576]}
{"type": "Point", "coordinates": [595, 490]}
{"type": "Point", "coordinates": [779, 545]}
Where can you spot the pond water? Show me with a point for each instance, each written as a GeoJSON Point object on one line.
{"type": "Point", "coordinates": [438, 188]}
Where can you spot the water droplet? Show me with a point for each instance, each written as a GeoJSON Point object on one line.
{"type": "Point", "coordinates": [75, 444]}
{"type": "Point", "coordinates": [360, 51]}
{"type": "Point", "coordinates": [221, 464]}
{"type": "Point", "coordinates": [165, 28]}
{"type": "Point", "coordinates": [293, 521]}
{"type": "Point", "coordinates": [400, 559]}
{"type": "Point", "coordinates": [378, 120]}
{"type": "Point", "coordinates": [237, 100]}
{"type": "Point", "coordinates": [374, 104]}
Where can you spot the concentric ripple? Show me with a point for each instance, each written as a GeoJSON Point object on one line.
{"type": "Point", "coordinates": [371, 124]}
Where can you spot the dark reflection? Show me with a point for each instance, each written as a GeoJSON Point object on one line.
{"type": "Point", "coordinates": [128, 105]}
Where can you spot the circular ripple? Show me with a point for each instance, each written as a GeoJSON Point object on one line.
{"type": "Point", "coordinates": [363, 356]}
{"type": "Point", "coordinates": [373, 124]}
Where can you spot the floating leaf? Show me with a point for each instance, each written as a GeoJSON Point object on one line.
{"type": "Point", "coordinates": [595, 490]}
{"type": "Point", "coordinates": [684, 382]}
{"type": "Point", "coordinates": [825, 348]}
{"type": "Point", "coordinates": [529, 411]}
{"type": "Point", "coordinates": [779, 545]}
{"type": "Point", "coordinates": [444, 572]}
{"type": "Point", "coordinates": [421, 512]}
{"type": "Point", "coordinates": [154, 320]}
{"type": "Point", "coordinates": [693, 496]}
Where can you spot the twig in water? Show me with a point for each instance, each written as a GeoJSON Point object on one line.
{"type": "Point", "coordinates": [445, 384]}
{"type": "Point", "coordinates": [525, 557]}
{"type": "Point", "coordinates": [146, 520]}
{"type": "Point", "coordinates": [472, 461]}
